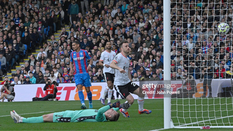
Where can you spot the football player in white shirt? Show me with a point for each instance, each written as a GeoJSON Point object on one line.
{"type": "Point", "coordinates": [123, 81]}
{"type": "Point", "coordinates": [105, 59]}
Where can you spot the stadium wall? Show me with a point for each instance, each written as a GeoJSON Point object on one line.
{"type": "Point", "coordinates": [151, 89]}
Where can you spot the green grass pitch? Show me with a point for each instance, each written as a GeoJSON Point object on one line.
{"type": "Point", "coordinates": [142, 122]}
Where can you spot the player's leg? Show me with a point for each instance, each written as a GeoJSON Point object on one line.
{"type": "Point", "coordinates": [81, 96]}
{"type": "Point", "coordinates": [124, 92]}
{"type": "Point", "coordinates": [18, 119]}
{"type": "Point", "coordinates": [79, 85]}
{"type": "Point", "coordinates": [87, 84]}
{"type": "Point", "coordinates": [102, 99]}
{"type": "Point", "coordinates": [134, 88]}
{"type": "Point", "coordinates": [110, 86]}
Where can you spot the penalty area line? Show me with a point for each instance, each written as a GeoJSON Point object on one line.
{"type": "Point", "coordinates": [27, 113]}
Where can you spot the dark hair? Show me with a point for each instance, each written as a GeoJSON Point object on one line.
{"type": "Point", "coordinates": [124, 41]}
{"type": "Point", "coordinates": [76, 42]}
{"type": "Point", "coordinates": [115, 117]}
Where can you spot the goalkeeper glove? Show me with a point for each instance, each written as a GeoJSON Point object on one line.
{"type": "Point", "coordinates": [116, 104]}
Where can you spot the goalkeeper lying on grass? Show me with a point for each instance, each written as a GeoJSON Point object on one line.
{"type": "Point", "coordinates": [105, 113]}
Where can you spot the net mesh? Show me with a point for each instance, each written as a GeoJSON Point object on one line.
{"type": "Point", "coordinates": [201, 62]}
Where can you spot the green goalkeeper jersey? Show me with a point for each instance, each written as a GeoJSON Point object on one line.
{"type": "Point", "coordinates": [88, 115]}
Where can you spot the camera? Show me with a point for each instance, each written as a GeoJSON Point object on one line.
{"type": "Point", "coordinates": [49, 83]}
{"type": "Point", "coordinates": [55, 83]}
{"type": "Point", "coordinates": [6, 84]}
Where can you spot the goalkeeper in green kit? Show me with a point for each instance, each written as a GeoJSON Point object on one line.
{"type": "Point", "coordinates": [105, 113]}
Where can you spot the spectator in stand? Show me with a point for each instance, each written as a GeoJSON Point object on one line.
{"type": "Point", "coordinates": [52, 76]}
{"type": "Point", "coordinates": [135, 77]}
{"type": "Point", "coordinates": [32, 61]}
{"type": "Point", "coordinates": [60, 79]}
{"type": "Point", "coordinates": [31, 70]}
{"type": "Point", "coordinates": [40, 53]}
{"type": "Point", "coordinates": [9, 59]}
{"type": "Point", "coordinates": [138, 22]}
{"type": "Point", "coordinates": [95, 78]}
{"type": "Point", "coordinates": [27, 80]}
{"type": "Point", "coordinates": [67, 79]}
{"type": "Point", "coordinates": [16, 81]}
{"type": "Point", "coordinates": [3, 63]}
{"type": "Point", "coordinates": [40, 78]}
{"type": "Point", "coordinates": [65, 72]}
{"type": "Point", "coordinates": [73, 11]}
{"type": "Point", "coordinates": [32, 78]}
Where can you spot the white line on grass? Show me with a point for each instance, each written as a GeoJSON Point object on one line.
{"type": "Point", "coordinates": [183, 126]}
{"type": "Point", "coordinates": [27, 113]}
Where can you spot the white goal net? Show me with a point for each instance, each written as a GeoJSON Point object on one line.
{"type": "Point", "coordinates": [202, 63]}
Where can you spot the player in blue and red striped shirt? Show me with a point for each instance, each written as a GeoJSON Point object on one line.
{"type": "Point", "coordinates": [79, 67]}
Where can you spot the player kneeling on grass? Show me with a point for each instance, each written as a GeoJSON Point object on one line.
{"type": "Point", "coordinates": [105, 113]}
{"type": "Point", "coordinates": [123, 81]}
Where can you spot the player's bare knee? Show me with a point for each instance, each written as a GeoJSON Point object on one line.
{"type": "Point", "coordinates": [87, 89]}
{"type": "Point", "coordinates": [48, 117]}
{"type": "Point", "coordinates": [80, 88]}
{"type": "Point", "coordinates": [45, 117]}
{"type": "Point", "coordinates": [110, 85]}
{"type": "Point", "coordinates": [141, 95]}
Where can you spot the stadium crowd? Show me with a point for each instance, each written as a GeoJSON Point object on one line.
{"type": "Point", "coordinates": [196, 47]}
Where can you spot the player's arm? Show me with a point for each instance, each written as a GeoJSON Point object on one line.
{"type": "Point", "coordinates": [90, 60]}
{"type": "Point", "coordinates": [101, 63]}
{"type": "Point", "coordinates": [100, 117]}
{"type": "Point", "coordinates": [71, 64]}
{"type": "Point", "coordinates": [101, 111]}
{"type": "Point", "coordinates": [114, 66]}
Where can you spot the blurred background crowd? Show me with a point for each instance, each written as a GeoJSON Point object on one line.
{"type": "Point", "coordinates": [196, 47]}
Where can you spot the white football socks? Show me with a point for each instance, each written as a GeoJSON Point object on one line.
{"type": "Point", "coordinates": [110, 95]}
{"type": "Point", "coordinates": [105, 93]}
{"type": "Point", "coordinates": [140, 103]}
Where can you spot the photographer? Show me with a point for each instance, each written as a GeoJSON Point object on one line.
{"type": "Point", "coordinates": [7, 91]}
{"type": "Point", "coordinates": [50, 90]}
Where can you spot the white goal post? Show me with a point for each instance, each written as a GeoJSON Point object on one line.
{"type": "Point", "coordinates": [196, 112]}
{"type": "Point", "coordinates": [167, 63]}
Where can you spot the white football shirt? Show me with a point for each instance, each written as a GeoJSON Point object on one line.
{"type": "Point", "coordinates": [107, 57]}
{"type": "Point", "coordinates": [122, 62]}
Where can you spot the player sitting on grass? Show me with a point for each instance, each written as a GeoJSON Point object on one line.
{"type": "Point", "coordinates": [123, 81]}
{"type": "Point", "coordinates": [105, 113]}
